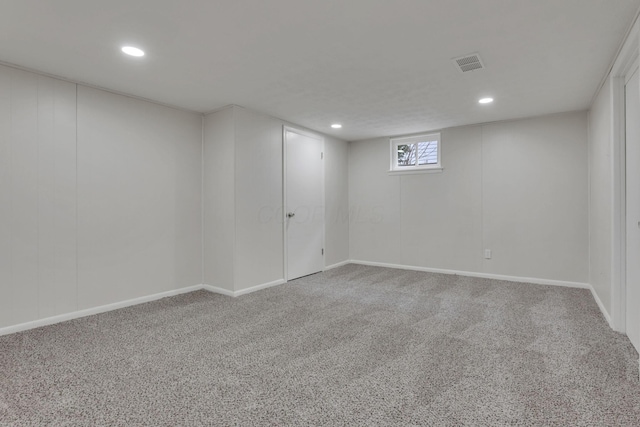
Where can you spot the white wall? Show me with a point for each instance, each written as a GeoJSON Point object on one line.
{"type": "Point", "coordinates": [219, 198]}
{"type": "Point", "coordinates": [256, 179]}
{"type": "Point", "coordinates": [258, 182]}
{"type": "Point", "coordinates": [518, 188]}
{"type": "Point", "coordinates": [139, 198]}
{"type": "Point", "coordinates": [600, 197]}
{"type": "Point", "coordinates": [535, 197]}
{"type": "Point", "coordinates": [99, 197]}
{"type": "Point", "coordinates": [336, 175]}
{"type": "Point", "coordinates": [37, 197]}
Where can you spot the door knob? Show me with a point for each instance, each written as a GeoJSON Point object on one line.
{"type": "Point", "coordinates": [290, 215]}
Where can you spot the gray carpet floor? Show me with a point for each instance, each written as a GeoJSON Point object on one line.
{"type": "Point", "coordinates": [353, 346]}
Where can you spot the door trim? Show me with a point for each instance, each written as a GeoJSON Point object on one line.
{"type": "Point", "coordinates": [286, 129]}
{"type": "Point", "coordinates": [622, 66]}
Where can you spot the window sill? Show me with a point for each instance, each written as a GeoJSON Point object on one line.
{"type": "Point", "coordinates": [415, 171]}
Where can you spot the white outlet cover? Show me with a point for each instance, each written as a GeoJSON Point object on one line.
{"type": "Point", "coordinates": [487, 253]}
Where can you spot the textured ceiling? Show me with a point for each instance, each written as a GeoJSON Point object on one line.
{"type": "Point", "coordinates": [380, 67]}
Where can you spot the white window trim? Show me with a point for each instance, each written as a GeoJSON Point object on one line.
{"type": "Point", "coordinates": [394, 169]}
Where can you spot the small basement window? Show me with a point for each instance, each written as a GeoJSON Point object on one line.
{"type": "Point", "coordinates": [416, 153]}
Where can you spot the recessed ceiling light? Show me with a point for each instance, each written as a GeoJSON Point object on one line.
{"type": "Point", "coordinates": [133, 51]}
{"type": "Point", "coordinates": [336, 125]}
{"type": "Point", "coordinates": [486, 101]}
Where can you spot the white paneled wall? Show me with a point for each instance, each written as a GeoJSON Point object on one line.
{"type": "Point", "coordinates": [37, 196]}
{"type": "Point", "coordinates": [243, 196]}
{"type": "Point", "coordinates": [518, 188]}
{"type": "Point", "coordinates": [57, 206]}
{"type": "Point", "coordinates": [6, 310]}
{"type": "Point", "coordinates": [99, 197]}
{"type": "Point", "coordinates": [444, 209]}
{"type": "Point", "coordinates": [258, 180]}
{"type": "Point", "coordinates": [535, 197]}
{"type": "Point", "coordinates": [139, 211]}
{"type": "Point", "coordinates": [601, 197]}
{"type": "Point", "coordinates": [24, 194]}
{"type": "Point", "coordinates": [336, 175]}
{"type": "Point", "coordinates": [218, 190]}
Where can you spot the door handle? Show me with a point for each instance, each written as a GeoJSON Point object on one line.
{"type": "Point", "coordinates": [290, 215]}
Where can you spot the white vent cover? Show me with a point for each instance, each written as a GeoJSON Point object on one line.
{"type": "Point", "coordinates": [468, 62]}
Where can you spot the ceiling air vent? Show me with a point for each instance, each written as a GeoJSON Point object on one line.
{"type": "Point", "coordinates": [469, 62]}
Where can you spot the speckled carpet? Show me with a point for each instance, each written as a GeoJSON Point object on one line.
{"type": "Point", "coordinates": [353, 346]}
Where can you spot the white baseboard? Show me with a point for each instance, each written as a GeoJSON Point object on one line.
{"type": "Point", "coordinates": [519, 279]}
{"type": "Point", "coordinates": [500, 277]}
{"type": "Point", "coordinates": [245, 291]}
{"type": "Point", "coordinates": [259, 287]}
{"type": "Point", "coordinates": [217, 290]}
{"type": "Point", "coordinates": [128, 303]}
{"type": "Point", "coordinates": [603, 310]}
{"type": "Point", "coordinates": [141, 300]}
{"type": "Point", "coordinates": [336, 265]}
{"type": "Point", "coordinates": [94, 310]}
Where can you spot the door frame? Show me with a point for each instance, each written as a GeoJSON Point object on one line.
{"type": "Point", "coordinates": [286, 129]}
{"type": "Point", "coordinates": [625, 62]}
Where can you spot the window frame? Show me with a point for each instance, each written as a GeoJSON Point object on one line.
{"type": "Point", "coordinates": [417, 168]}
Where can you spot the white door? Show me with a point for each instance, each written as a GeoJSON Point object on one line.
{"type": "Point", "coordinates": [632, 120]}
{"type": "Point", "coordinates": [304, 204]}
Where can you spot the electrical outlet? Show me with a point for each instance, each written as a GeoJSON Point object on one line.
{"type": "Point", "coordinates": [487, 254]}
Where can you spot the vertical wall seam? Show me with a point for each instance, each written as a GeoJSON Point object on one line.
{"type": "Point", "coordinates": [38, 245]}
{"type": "Point", "coordinates": [400, 211]}
{"type": "Point", "coordinates": [350, 217]}
{"type": "Point", "coordinates": [348, 187]}
{"type": "Point", "coordinates": [348, 200]}
{"type": "Point", "coordinates": [11, 168]}
{"type": "Point", "coordinates": [235, 173]}
{"type": "Point", "coordinates": [285, 248]}
{"type": "Point", "coordinates": [482, 237]}
{"type": "Point", "coordinates": [77, 302]}
{"type": "Point", "coordinates": [54, 142]}
{"type": "Point", "coordinates": [202, 211]}
{"type": "Point", "coordinates": [589, 213]}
